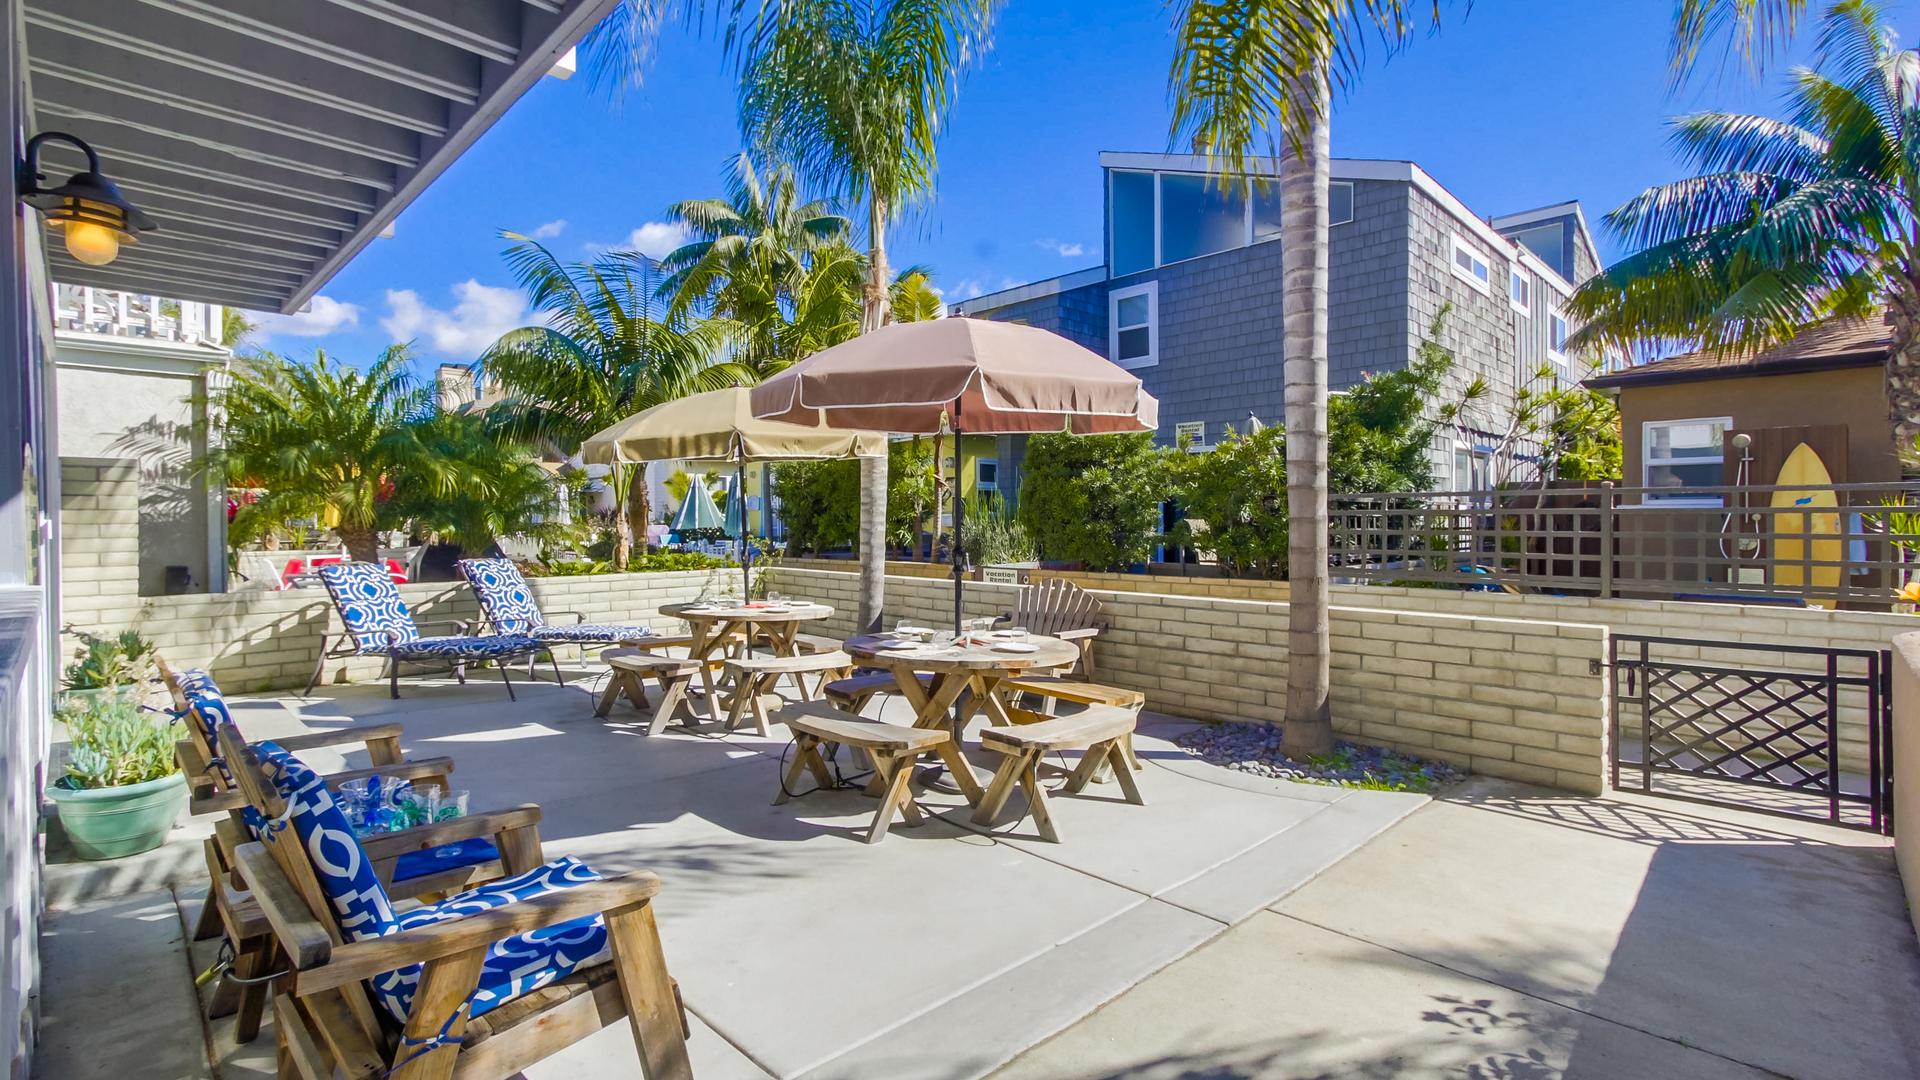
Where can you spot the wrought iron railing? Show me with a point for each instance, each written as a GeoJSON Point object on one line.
{"type": "Point", "coordinates": [1844, 543]}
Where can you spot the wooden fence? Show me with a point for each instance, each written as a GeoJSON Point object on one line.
{"type": "Point", "coordinates": [1850, 544]}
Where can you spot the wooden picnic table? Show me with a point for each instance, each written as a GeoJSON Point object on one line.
{"type": "Point", "coordinates": [980, 666]}
{"type": "Point", "coordinates": [713, 626]}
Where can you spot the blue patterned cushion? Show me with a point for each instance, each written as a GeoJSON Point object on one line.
{"type": "Point", "coordinates": [513, 966]}
{"type": "Point", "coordinates": [369, 604]}
{"type": "Point", "coordinates": [209, 707]}
{"type": "Point", "coordinates": [360, 904]}
{"type": "Point", "coordinates": [590, 632]}
{"type": "Point", "coordinates": [415, 864]}
{"type": "Point", "coordinates": [504, 596]}
{"type": "Point", "coordinates": [193, 679]}
{"type": "Point", "coordinates": [470, 648]}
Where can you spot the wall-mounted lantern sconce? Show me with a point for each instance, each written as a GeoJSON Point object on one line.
{"type": "Point", "coordinates": [89, 209]}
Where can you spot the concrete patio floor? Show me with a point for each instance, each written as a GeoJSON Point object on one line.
{"type": "Point", "coordinates": [942, 952]}
{"type": "Point", "coordinates": [1507, 932]}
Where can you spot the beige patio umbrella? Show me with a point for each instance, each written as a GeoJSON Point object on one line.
{"type": "Point", "coordinates": [964, 376]}
{"type": "Point", "coordinates": [719, 425]}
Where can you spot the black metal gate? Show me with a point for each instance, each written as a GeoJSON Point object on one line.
{"type": "Point", "coordinates": [1782, 734]}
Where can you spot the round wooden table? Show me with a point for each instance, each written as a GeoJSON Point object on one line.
{"type": "Point", "coordinates": [980, 668]}
{"type": "Point", "coordinates": [713, 625]}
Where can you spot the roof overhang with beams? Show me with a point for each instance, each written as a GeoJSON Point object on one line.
{"type": "Point", "coordinates": [272, 139]}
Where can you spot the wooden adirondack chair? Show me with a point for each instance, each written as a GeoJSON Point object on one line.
{"type": "Point", "coordinates": [346, 949]}
{"type": "Point", "coordinates": [229, 909]}
{"type": "Point", "coordinates": [1058, 608]}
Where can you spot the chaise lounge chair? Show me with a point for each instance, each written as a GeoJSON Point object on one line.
{"type": "Point", "coordinates": [508, 606]}
{"type": "Point", "coordinates": [378, 624]}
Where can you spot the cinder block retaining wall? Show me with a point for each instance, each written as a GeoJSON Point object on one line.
{"type": "Point", "coordinates": [1771, 624]}
{"type": "Point", "coordinates": [1504, 697]}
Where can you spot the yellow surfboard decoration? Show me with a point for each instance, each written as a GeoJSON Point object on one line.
{"type": "Point", "coordinates": [1804, 470]}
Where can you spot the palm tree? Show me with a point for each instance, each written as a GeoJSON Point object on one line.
{"type": "Point", "coordinates": [1253, 72]}
{"type": "Point", "coordinates": [855, 93]}
{"type": "Point", "coordinates": [330, 442]}
{"type": "Point", "coordinates": [752, 252]}
{"type": "Point", "coordinates": [1788, 222]}
{"type": "Point", "coordinates": [601, 352]}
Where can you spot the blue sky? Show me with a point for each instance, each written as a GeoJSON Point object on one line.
{"type": "Point", "coordinates": [1519, 104]}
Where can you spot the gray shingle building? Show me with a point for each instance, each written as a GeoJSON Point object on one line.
{"type": "Point", "coordinates": [1189, 293]}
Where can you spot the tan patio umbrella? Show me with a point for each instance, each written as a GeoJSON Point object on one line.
{"type": "Point", "coordinates": [965, 376]}
{"type": "Point", "coordinates": [719, 425]}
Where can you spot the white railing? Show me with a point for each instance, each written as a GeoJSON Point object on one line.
{"type": "Point", "coordinates": [83, 309]}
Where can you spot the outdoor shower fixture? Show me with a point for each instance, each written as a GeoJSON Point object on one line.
{"type": "Point", "coordinates": [1746, 544]}
{"type": "Point", "coordinates": [88, 209]}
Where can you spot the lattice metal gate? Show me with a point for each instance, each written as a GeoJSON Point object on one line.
{"type": "Point", "coordinates": [1777, 729]}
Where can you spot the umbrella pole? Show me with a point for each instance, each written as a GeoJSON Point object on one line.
{"type": "Point", "coordinates": [959, 539]}
{"type": "Point", "coordinates": [740, 492]}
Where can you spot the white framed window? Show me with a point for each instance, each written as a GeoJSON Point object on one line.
{"type": "Point", "coordinates": [1519, 291]}
{"type": "Point", "coordinates": [1469, 265]}
{"type": "Point", "coordinates": [1682, 454]}
{"type": "Point", "coordinates": [1133, 325]}
{"type": "Point", "coordinates": [1557, 336]}
{"type": "Point", "coordinates": [986, 474]}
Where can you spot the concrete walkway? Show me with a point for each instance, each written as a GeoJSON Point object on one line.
{"type": "Point", "coordinates": [1506, 932]}
{"type": "Point", "coordinates": [942, 952]}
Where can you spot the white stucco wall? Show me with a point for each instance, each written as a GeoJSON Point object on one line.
{"type": "Point", "coordinates": [131, 398]}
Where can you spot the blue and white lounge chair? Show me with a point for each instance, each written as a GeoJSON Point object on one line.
{"type": "Point", "coordinates": [586, 949]}
{"type": "Point", "coordinates": [507, 604]}
{"type": "Point", "coordinates": [378, 624]}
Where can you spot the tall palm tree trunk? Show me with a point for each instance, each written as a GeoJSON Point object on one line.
{"type": "Point", "coordinates": [873, 470]}
{"type": "Point", "coordinates": [1303, 267]}
{"type": "Point", "coordinates": [362, 543]}
{"type": "Point", "coordinates": [638, 509]}
{"type": "Point", "coordinates": [874, 309]}
{"type": "Point", "coordinates": [1903, 367]}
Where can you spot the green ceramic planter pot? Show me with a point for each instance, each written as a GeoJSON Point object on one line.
{"type": "Point", "coordinates": [111, 823]}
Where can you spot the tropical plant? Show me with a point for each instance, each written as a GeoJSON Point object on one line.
{"type": "Point", "coordinates": [520, 499]}
{"type": "Point", "coordinates": [322, 440]}
{"type": "Point", "coordinates": [112, 742]}
{"type": "Point", "coordinates": [1239, 490]}
{"type": "Point", "coordinates": [912, 491]}
{"type": "Point", "coordinates": [751, 256]}
{"type": "Point", "coordinates": [992, 534]}
{"type": "Point", "coordinates": [819, 503]}
{"type": "Point", "coordinates": [1093, 499]}
{"type": "Point", "coordinates": [605, 348]}
{"type": "Point", "coordinates": [854, 93]}
{"type": "Point", "coordinates": [1256, 74]}
{"type": "Point", "coordinates": [1788, 222]}
{"type": "Point", "coordinates": [1378, 434]}
{"type": "Point", "coordinates": [102, 662]}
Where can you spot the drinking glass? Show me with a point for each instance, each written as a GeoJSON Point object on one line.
{"type": "Point", "coordinates": [1018, 633]}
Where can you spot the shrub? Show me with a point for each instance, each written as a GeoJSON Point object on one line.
{"type": "Point", "coordinates": [819, 503]}
{"type": "Point", "coordinates": [102, 661]}
{"type": "Point", "coordinates": [663, 562]}
{"type": "Point", "coordinates": [992, 535]}
{"type": "Point", "coordinates": [1239, 490]}
{"type": "Point", "coordinates": [113, 743]}
{"type": "Point", "coordinates": [1093, 499]}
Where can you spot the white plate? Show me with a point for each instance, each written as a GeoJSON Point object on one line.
{"type": "Point", "coordinates": [1015, 646]}
{"type": "Point", "coordinates": [773, 610]}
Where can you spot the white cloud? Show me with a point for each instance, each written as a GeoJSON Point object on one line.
{"type": "Point", "coordinates": [480, 314]}
{"type": "Point", "coordinates": [323, 315]}
{"type": "Point", "coordinates": [549, 230]}
{"type": "Point", "coordinates": [1066, 249]}
{"type": "Point", "coordinates": [968, 288]}
{"type": "Point", "coordinates": [654, 240]}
